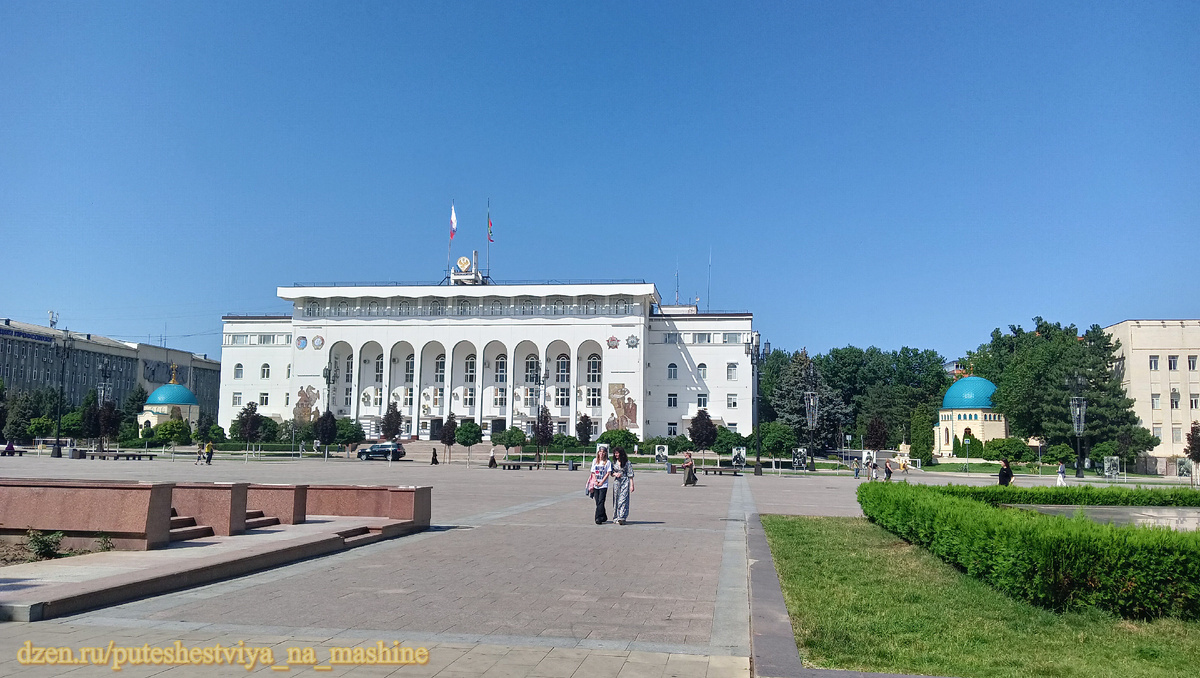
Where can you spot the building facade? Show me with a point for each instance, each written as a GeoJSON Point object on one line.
{"type": "Point", "coordinates": [31, 357]}
{"type": "Point", "coordinates": [491, 353]}
{"type": "Point", "coordinates": [1157, 364]}
{"type": "Point", "coordinates": [967, 411]}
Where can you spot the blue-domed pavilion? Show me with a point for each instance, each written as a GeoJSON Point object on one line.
{"type": "Point", "coordinates": [967, 410]}
{"type": "Point", "coordinates": [167, 400]}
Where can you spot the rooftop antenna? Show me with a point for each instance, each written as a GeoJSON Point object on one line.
{"type": "Point", "coordinates": [53, 319]}
{"type": "Point", "coordinates": [708, 292]}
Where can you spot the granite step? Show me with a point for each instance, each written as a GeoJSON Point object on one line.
{"type": "Point", "coordinates": [261, 521]}
{"type": "Point", "coordinates": [181, 521]}
{"type": "Point", "coordinates": [194, 532]}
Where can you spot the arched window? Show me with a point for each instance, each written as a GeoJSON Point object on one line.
{"type": "Point", "coordinates": [464, 307]}
{"type": "Point", "coordinates": [373, 308]}
{"type": "Point", "coordinates": [342, 309]}
{"type": "Point", "coordinates": [501, 368]}
{"type": "Point", "coordinates": [532, 368]}
{"type": "Point", "coordinates": [622, 307]}
{"type": "Point", "coordinates": [310, 309]}
{"type": "Point", "coordinates": [702, 371]}
{"type": "Point", "coordinates": [439, 368]}
{"type": "Point", "coordinates": [435, 308]}
{"type": "Point", "coordinates": [562, 369]}
{"type": "Point", "coordinates": [672, 371]}
{"type": "Point", "coordinates": [265, 371]}
{"type": "Point", "coordinates": [410, 364]}
{"type": "Point", "coordinates": [590, 307]}
{"type": "Point", "coordinates": [947, 436]}
{"type": "Point", "coordinates": [379, 369]}
{"type": "Point", "coordinates": [349, 370]}
{"type": "Point", "coordinates": [237, 371]}
{"type": "Point", "coordinates": [497, 308]}
{"type": "Point", "coordinates": [593, 369]}
{"type": "Point", "coordinates": [469, 369]}
{"type": "Point", "coordinates": [526, 307]}
{"type": "Point", "coordinates": [404, 308]}
{"type": "Point", "coordinates": [559, 307]}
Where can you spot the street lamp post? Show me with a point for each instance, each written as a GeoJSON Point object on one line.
{"type": "Point", "coordinates": [812, 402]}
{"type": "Point", "coordinates": [757, 358]}
{"type": "Point", "coordinates": [1078, 412]}
{"type": "Point", "coordinates": [63, 349]}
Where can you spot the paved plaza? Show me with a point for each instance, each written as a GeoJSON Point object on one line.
{"type": "Point", "coordinates": [514, 578]}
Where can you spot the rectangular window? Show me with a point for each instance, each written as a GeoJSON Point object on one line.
{"type": "Point", "coordinates": [263, 399]}
{"type": "Point", "coordinates": [437, 396]}
{"type": "Point", "coordinates": [672, 338]}
{"type": "Point", "coordinates": [1192, 363]}
{"type": "Point", "coordinates": [1157, 432]}
{"type": "Point", "coordinates": [500, 398]}
{"type": "Point", "coordinates": [237, 399]}
{"type": "Point", "coordinates": [1177, 435]}
{"type": "Point", "coordinates": [732, 337]}
{"type": "Point", "coordinates": [1175, 400]}
{"type": "Point", "coordinates": [241, 339]}
{"type": "Point", "coordinates": [731, 401]}
{"type": "Point", "coordinates": [1153, 363]}
{"type": "Point", "coordinates": [733, 427]}
{"type": "Point", "coordinates": [346, 398]}
{"type": "Point", "coordinates": [672, 400]}
{"type": "Point", "coordinates": [731, 371]}
{"type": "Point", "coordinates": [1154, 401]}
{"type": "Point", "coordinates": [287, 398]}
{"type": "Point", "coordinates": [672, 429]}
{"type": "Point", "coordinates": [1172, 362]}
{"type": "Point", "coordinates": [595, 429]}
{"type": "Point", "coordinates": [701, 400]}
{"type": "Point", "coordinates": [469, 396]}
{"type": "Point", "coordinates": [1194, 401]}
{"type": "Point", "coordinates": [349, 377]}
{"type": "Point", "coordinates": [266, 339]}
{"type": "Point", "coordinates": [408, 396]}
{"type": "Point", "coordinates": [562, 397]}
{"type": "Point", "coordinates": [560, 427]}
{"type": "Point", "coordinates": [702, 338]}
{"type": "Point", "coordinates": [593, 397]}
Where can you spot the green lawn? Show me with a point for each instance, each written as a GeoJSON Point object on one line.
{"type": "Point", "coordinates": [860, 598]}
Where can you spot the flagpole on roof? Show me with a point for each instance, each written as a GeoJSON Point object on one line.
{"type": "Point", "coordinates": [489, 245]}
{"type": "Point", "coordinates": [453, 228]}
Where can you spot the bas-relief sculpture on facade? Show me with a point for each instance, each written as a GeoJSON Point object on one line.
{"type": "Point", "coordinates": [624, 409]}
{"type": "Point", "coordinates": [305, 410]}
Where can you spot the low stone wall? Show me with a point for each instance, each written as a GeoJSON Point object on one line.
{"type": "Point", "coordinates": [397, 503]}
{"type": "Point", "coordinates": [135, 516]}
{"type": "Point", "coordinates": [288, 503]}
{"type": "Point", "coordinates": [221, 506]}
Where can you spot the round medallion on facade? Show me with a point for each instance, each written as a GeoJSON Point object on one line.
{"type": "Point", "coordinates": [301, 342]}
{"type": "Point", "coordinates": [632, 341]}
{"type": "Point", "coordinates": [464, 264]}
{"type": "Point", "coordinates": [318, 342]}
{"type": "Point", "coordinates": [613, 342]}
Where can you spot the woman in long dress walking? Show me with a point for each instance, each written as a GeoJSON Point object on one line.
{"type": "Point", "coordinates": [622, 480]}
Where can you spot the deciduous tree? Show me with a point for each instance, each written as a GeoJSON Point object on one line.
{"type": "Point", "coordinates": [326, 428]}
{"type": "Point", "coordinates": [468, 435]}
{"type": "Point", "coordinates": [703, 431]}
{"type": "Point", "coordinates": [449, 431]}
{"type": "Point", "coordinates": [392, 422]}
{"type": "Point", "coordinates": [583, 430]}
{"type": "Point", "coordinates": [248, 424]}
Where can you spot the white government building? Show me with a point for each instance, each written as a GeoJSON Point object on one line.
{"type": "Point", "coordinates": [610, 350]}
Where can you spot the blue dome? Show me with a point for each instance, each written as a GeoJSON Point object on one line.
{"type": "Point", "coordinates": [969, 393]}
{"type": "Point", "coordinates": [172, 394]}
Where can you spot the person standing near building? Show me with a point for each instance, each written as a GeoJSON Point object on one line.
{"type": "Point", "coordinates": [601, 471]}
{"type": "Point", "coordinates": [622, 477]}
{"type": "Point", "coordinates": [1006, 474]}
{"type": "Point", "coordinates": [1062, 475]}
{"type": "Point", "coordinates": [689, 470]}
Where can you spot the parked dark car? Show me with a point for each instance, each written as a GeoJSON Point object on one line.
{"type": "Point", "coordinates": [393, 451]}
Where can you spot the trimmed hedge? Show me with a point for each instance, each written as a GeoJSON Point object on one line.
{"type": "Point", "coordinates": [1076, 495]}
{"type": "Point", "coordinates": [1054, 562]}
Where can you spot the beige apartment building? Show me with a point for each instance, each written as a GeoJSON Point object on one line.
{"type": "Point", "coordinates": [1157, 362]}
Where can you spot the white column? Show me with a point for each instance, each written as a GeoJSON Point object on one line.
{"type": "Point", "coordinates": [415, 413]}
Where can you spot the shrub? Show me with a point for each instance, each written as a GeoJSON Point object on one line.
{"type": "Point", "coordinates": [1054, 562]}
{"type": "Point", "coordinates": [1075, 495]}
{"type": "Point", "coordinates": [43, 545]}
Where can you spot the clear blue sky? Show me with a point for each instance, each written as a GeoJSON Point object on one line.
{"type": "Point", "coordinates": [863, 172]}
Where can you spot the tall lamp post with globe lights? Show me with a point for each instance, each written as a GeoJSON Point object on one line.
{"type": "Point", "coordinates": [757, 358]}
{"type": "Point", "coordinates": [812, 402]}
{"type": "Point", "coordinates": [62, 349]}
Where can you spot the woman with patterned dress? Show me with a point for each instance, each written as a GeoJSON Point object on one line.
{"type": "Point", "coordinates": [622, 479]}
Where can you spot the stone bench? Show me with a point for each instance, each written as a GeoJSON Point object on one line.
{"type": "Point", "coordinates": [720, 471]}
{"type": "Point", "coordinates": [397, 503]}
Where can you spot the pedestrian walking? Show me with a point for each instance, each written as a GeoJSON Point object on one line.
{"type": "Point", "coordinates": [492, 458]}
{"type": "Point", "coordinates": [689, 470]}
{"type": "Point", "coordinates": [857, 468]}
{"type": "Point", "coordinates": [904, 466]}
{"type": "Point", "coordinates": [434, 461]}
{"type": "Point", "coordinates": [208, 453]}
{"type": "Point", "coordinates": [199, 454]}
{"type": "Point", "coordinates": [622, 481]}
{"type": "Point", "coordinates": [1062, 475]}
{"type": "Point", "coordinates": [887, 470]}
{"type": "Point", "coordinates": [1006, 474]}
{"type": "Point", "coordinates": [874, 471]}
{"type": "Point", "coordinates": [598, 483]}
